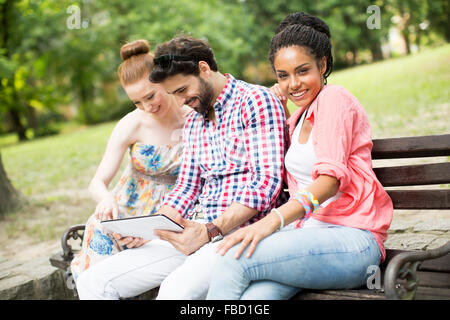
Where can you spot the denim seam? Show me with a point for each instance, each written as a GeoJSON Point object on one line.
{"type": "Point", "coordinates": [247, 269]}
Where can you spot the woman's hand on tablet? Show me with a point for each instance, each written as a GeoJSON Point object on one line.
{"type": "Point", "coordinates": [129, 242]}
{"type": "Point", "coordinates": [107, 209]}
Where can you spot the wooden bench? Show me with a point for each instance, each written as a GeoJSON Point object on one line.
{"type": "Point", "coordinates": [412, 274]}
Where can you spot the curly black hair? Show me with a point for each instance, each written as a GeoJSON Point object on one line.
{"type": "Point", "coordinates": [304, 30]}
{"type": "Point", "coordinates": [186, 46]}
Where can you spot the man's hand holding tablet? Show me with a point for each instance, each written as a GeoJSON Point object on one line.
{"type": "Point", "coordinates": [137, 231]}
{"type": "Point", "coordinates": [128, 242]}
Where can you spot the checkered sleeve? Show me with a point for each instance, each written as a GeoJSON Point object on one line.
{"type": "Point", "coordinates": [189, 183]}
{"type": "Point", "coordinates": [264, 121]}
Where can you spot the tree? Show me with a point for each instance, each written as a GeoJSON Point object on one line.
{"type": "Point", "coordinates": [10, 198]}
{"type": "Point", "coordinates": [410, 15]}
{"type": "Point", "coordinates": [346, 19]}
{"type": "Point", "coordinates": [25, 36]}
{"type": "Point", "coordinates": [438, 13]}
{"type": "Point", "coordinates": [8, 90]}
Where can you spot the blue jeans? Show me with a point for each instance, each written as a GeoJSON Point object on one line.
{"type": "Point", "coordinates": [291, 259]}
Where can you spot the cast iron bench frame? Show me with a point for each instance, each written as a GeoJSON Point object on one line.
{"type": "Point", "coordinates": [405, 274]}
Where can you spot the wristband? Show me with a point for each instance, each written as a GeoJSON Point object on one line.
{"type": "Point", "coordinates": [305, 205]}
{"type": "Point", "coordinates": [311, 198]}
{"type": "Point", "coordinates": [303, 196]}
{"type": "Point", "coordinates": [281, 218]}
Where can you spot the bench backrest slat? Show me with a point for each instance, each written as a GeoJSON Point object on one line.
{"type": "Point", "coordinates": [434, 279]}
{"type": "Point", "coordinates": [411, 147]}
{"type": "Point", "coordinates": [413, 175]}
{"type": "Point", "coordinates": [441, 264]}
{"type": "Point", "coordinates": [420, 199]}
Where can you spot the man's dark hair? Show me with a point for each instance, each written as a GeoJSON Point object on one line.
{"type": "Point", "coordinates": [183, 54]}
{"type": "Point", "coordinates": [304, 30]}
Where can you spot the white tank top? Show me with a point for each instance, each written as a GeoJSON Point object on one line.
{"type": "Point", "coordinates": [299, 161]}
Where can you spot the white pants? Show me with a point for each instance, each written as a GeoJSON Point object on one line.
{"type": "Point", "coordinates": [157, 263]}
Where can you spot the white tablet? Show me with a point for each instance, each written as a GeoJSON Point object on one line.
{"type": "Point", "coordinates": [141, 227]}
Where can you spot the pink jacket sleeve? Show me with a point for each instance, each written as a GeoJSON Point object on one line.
{"type": "Point", "coordinates": [333, 124]}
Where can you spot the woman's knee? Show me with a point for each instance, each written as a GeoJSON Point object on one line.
{"type": "Point", "coordinates": [268, 290]}
{"type": "Point", "coordinates": [228, 262]}
{"type": "Point", "coordinates": [86, 285]}
{"type": "Point", "coordinates": [92, 285]}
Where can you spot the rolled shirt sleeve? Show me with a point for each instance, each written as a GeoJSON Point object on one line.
{"type": "Point", "coordinates": [264, 121]}
{"type": "Point", "coordinates": [333, 123]}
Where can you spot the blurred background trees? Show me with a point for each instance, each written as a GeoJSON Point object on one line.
{"type": "Point", "coordinates": [58, 58]}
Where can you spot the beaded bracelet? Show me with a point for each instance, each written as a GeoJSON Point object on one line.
{"type": "Point", "coordinates": [305, 205]}
{"type": "Point", "coordinates": [303, 196]}
{"type": "Point", "coordinates": [311, 198]}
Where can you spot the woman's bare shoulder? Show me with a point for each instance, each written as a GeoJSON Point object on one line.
{"type": "Point", "coordinates": [126, 127]}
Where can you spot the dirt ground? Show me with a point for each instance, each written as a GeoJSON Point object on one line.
{"type": "Point", "coordinates": [35, 231]}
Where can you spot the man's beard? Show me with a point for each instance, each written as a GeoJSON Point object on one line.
{"type": "Point", "coordinates": [205, 97]}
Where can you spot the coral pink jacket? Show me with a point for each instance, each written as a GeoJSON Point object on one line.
{"type": "Point", "coordinates": [342, 142]}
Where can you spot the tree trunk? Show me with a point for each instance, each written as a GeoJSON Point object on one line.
{"type": "Point", "coordinates": [375, 49]}
{"type": "Point", "coordinates": [32, 118]}
{"type": "Point", "coordinates": [13, 111]}
{"type": "Point", "coordinates": [418, 37]}
{"type": "Point", "coordinates": [10, 198]}
{"type": "Point", "coordinates": [405, 15]}
{"type": "Point", "coordinates": [18, 128]}
{"type": "Point", "coordinates": [405, 35]}
{"type": "Point", "coordinates": [354, 59]}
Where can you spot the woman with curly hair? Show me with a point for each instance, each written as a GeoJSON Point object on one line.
{"type": "Point", "coordinates": [335, 223]}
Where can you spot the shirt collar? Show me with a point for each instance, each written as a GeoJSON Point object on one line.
{"type": "Point", "coordinates": [224, 96]}
{"type": "Point", "coordinates": [226, 93]}
{"type": "Point", "coordinates": [293, 119]}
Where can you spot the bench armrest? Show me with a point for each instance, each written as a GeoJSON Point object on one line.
{"type": "Point", "coordinates": [75, 232]}
{"type": "Point", "coordinates": [400, 278]}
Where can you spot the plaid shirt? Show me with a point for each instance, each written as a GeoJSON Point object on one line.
{"type": "Point", "coordinates": [238, 158]}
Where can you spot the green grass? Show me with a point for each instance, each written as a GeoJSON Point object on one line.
{"type": "Point", "coordinates": [8, 139]}
{"type": "Point", "coordinates": [65, 161]}
{"type": "Point", "coordinates": [51, 172]}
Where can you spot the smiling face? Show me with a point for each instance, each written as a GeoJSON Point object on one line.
{"type": "Point", "coordinates": [298, 74]}
{"type": "Point", "coordinates": [194, 91]}
{"type": "Point", "coordinates": [148, 97]}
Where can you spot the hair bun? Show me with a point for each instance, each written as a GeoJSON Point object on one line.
{"type": "Point", "coordinates": [134, 48]}
{"type": "Point", "coordinates": [305, 20]}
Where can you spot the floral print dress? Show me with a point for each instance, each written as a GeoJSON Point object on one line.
{"type": "Point", "coordinates": [151, 173]}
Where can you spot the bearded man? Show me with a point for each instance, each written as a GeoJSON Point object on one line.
{"type": "Point", "coordinates": [230, 176]}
